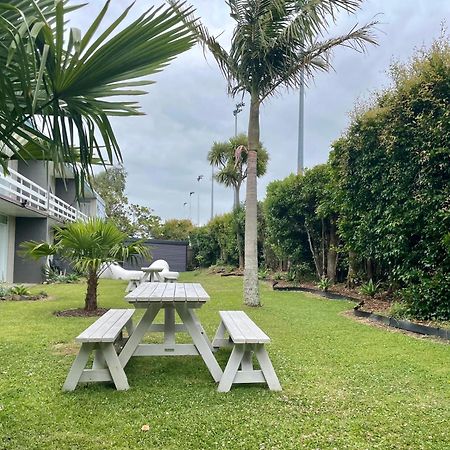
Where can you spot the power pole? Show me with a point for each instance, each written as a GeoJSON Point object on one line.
{"type": "Point", "coordinates": [199, 178]}
{"type": "Point", "coordinates": [190, 205]}
{"type": "Point", "coordinates": [212, 192]}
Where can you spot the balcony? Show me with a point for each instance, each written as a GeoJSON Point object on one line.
{"type": "Point", "coordinates": [27, 194]}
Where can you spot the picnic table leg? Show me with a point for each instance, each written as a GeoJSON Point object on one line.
{"type": "Point", "coordinates": [77, 367]}
{"type": "Point", "coordinates": [139, 332]}
{"type": "Point", "coordinates": [231, 369]}
{"type": "Point", "coordinates": [99, 359]}
{"type": "Point", "coordinates": [247, 363]}
{"type": "Point", "coordinates": [200, 327]}
{"type": "Point", "coordinates": [267, 368]}
{"type": "Point", "coordinates": [219, 338]}
{"type": "Point", "coordinates": [169, 326]}
{"type": "Point", "coordinates": [200, 340]}
{"type": "Point", "coordinates": [115, 367]}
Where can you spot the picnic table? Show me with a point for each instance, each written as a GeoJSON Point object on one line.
{"type": "Point", "coordinates": [180, 298]}
{"type": "Point", "coordinates": [150, 273]}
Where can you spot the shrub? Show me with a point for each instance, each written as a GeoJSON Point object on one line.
{"type": "Point", "coordinates": [430, 298]}
{"type": "Point", "coordinates": [370, 288]}
{"type": "Point", "coordinates": [4, 291]}
{"type": "Point", "coordinates": [324, 284]}
{"type": "Point", "coordinates": [19, 290]}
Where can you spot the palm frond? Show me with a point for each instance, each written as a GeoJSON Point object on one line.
{"type": "Point", "coordinates": [64, 91]}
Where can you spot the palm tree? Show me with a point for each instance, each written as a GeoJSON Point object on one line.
{"type": "Point", "coordinates": [275, 45]}
{"type": "Point", "coordinates": [231, 159]}
{"type": "Point", "coordinates": [58, 95]}
{"type": "Point", "coordinates": [90, 246]}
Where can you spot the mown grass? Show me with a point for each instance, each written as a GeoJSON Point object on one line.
{"type": "Point", "coordinates": [345, 384]}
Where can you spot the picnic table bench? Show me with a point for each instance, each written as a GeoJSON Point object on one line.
{"type": "Point", "coordinates": [247, 340]}
{"type": "Point", "coordinates": [102, 337]}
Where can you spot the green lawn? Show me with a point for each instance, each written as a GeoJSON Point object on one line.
{"type": "Point", "coordinates": [345, 384]}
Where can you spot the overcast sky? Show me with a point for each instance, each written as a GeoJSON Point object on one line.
{"type": "Point", "coordinates": [188, 108]}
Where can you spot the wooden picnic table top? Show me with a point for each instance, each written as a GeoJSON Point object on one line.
{"type": "Point", "coordinates": [152, 269]}
{"type": "Point", "coordinates": [168, 293]}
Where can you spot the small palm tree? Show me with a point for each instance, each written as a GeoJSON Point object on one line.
{"type": "Point", "coordinates": [90, 246]}
{"type": "Point", "coordinates": [231, 159]}
{"type": "Point", "coordinates": [275, 44]}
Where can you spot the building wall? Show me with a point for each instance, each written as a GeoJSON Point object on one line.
{"type": "Point", "coordinates": [27, 270]}
{"type": "Point", "coordinates": [11, 248]}
{"type": "Point", "coordinates": [34, 170]}
{"type": "Point", "coordinates": [174, 252]}
{"type": "Point", "coordinates": [66, 191]}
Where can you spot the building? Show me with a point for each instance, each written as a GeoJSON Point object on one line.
{"type": "Point", "coordinates": [32, 201]}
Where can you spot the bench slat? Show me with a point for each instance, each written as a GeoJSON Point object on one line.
{"type": "Point", "coordinates": [107, 327]}
{"type": "Point", "coordinates": [242, 329]}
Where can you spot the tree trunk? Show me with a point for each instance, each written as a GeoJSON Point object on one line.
{"type": "Point", "coordinates": [315, 254]}
{"type": "Point", "coordinates": [369, 269]}
{"type": "Point", "coordinates": [90, 302]}
{"type": "Point", "coordinates": [332, 256]}
{"type": "Point", "coordinates": [251, 293]}
{"type": "Point", "coordinates": [351, 275]}
{"type": "Point", "coordinates": [237, 199]}
{"type": "Point", "coordinates": [323, 247]}
{"type": "Point", "coordinates": [237, 203]}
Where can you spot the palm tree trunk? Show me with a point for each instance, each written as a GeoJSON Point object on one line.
{"type": "Point", "coordinates": [90, 302]}
{"type": "Point", "coordinates": [251, 293]}
{"type": "Point", "coordinates": [237, 203]}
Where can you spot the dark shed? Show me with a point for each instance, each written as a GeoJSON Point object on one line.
{"type": "Point", "coordinates": [174, 252]}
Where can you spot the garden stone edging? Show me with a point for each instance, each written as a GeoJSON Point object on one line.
{"type": "Point", "coordinates": [405, 325]}
{"type": "Point", "coordinates": [329, 295]}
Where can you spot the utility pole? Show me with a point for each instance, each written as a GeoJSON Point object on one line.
{"type": "Point", "coordinates": [301, 124]}
{"type": "Point", "coordinates": [212, 192]}
{"type": "Point", "coordinates": [199, 178]}
{"type": "Point", "coordinates": [190, 205]}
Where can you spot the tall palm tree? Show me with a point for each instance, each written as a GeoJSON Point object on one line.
{"type": "Point", "coordinates": [90, 246]}
{"type": "Point", "coordinates": [61, 94]}
{"type": "Point", "coordinates": [231, 161]}
{"type": "Point", "coordinates": [275, 45]}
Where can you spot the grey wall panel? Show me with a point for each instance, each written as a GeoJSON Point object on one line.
{"type": "Point", "coordinates": [174, 252]}
{"type": "Point", "coordinates": [34, 171]}
{"type": "Point", "coordinates": [66, 191]}
{"type": "Point", "coordinates": [27, 270]}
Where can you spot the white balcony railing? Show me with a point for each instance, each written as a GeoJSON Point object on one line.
{"type": "Point", "coordinates": [29, 194]}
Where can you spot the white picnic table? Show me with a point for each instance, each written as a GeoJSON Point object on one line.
{"type": "Point", "coordinates": [150, 273]}
{"type": "Point", "coordinates": [180, 298]}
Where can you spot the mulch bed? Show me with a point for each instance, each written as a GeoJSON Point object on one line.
{"type": "Point", "coordinates": [22, 298]}
{"type": "Point", "coordinates": [80, 313]}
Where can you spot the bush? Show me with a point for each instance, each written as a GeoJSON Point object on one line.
{"type": "Point", "coordinates": [263, 273]}
{"type": "Point", "coordinates": [54, 275]}
{"type": "Point", "coordinates": [430, 298]}
{"type": "Point", "coordinates": [370, 288]}
{"type": "Point", "coordinates": [324, 284]}
{"type": "Point", "coordinates": [4, 291]}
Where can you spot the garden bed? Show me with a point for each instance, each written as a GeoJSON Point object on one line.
{"type": "Point", "coordinates": [375, 309]}
{"type": "Point", "coordinates": [18, 298]}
